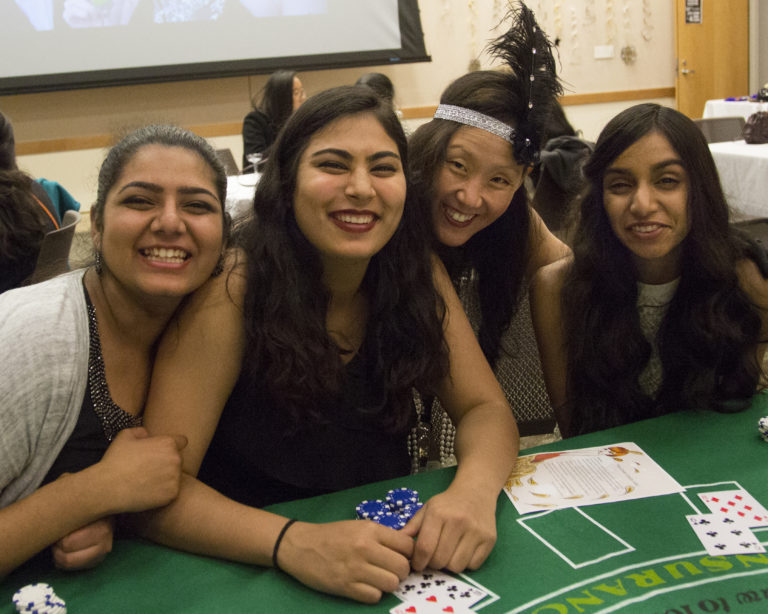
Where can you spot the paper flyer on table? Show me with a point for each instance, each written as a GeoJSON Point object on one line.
{"type": "Point", "coordinates": [586, 476]}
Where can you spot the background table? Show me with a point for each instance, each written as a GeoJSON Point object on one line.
{"type": "Point", "coordinates": [732, 108]}
{"type": "Point", "coordinates": [668, 570]}
{"type": "Point", "coordinates": [743, 171]}
{"type": "Point", "coordinates": [240, 191]}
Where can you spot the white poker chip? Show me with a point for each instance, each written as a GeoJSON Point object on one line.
{"type": "Point", "coordinates": [38, 598]}
{"type": "Point", "coordinates": [762, 426]}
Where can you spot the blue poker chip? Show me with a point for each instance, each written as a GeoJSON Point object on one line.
{"type": "Point", "coordinates": [393, 521]}
{"type": "Point", "coordinates": [409, 510]}
{"type": "Point", "coordinates": [400, 497]}
{"type": "Point", "coordinates": [369, 509]}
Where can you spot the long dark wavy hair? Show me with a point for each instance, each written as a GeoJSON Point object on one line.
{"type": "Point", "coordinates": [499, 253]}
{"type": "Point", "coordinates": [707, 340]}
{"type": "Point", "coordinates": [277, 98]}
{"type": "Point", "coordinates": [289, 352]}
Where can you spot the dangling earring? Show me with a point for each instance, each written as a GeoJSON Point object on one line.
{"type": "Point", "coordinates": [97, 263]}
{"type": "Point", "coordinates": [219, 268]}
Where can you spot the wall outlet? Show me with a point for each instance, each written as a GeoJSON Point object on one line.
{"type": "Point", "coordinates": [603, 52]}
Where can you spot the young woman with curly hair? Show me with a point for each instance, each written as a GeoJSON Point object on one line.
{"type": "Point", "coordinates": [662, 306]}
{"type": "Point", "coordinates": [302, 360]}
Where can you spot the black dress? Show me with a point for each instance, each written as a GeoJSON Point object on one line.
{"type": "Point", "coordinates": [258, 134]}
{"type": "Point", "coordinates": [258, 456]}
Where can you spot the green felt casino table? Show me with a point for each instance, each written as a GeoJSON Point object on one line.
{"type": "Point", "coordinates": [631, 556]}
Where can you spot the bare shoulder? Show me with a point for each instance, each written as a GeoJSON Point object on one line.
{"type": "Point", "coordinates": [752, 282]}
{"type": "Point", "coordinates": [223, 292]}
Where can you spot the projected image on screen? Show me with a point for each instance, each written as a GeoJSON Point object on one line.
{"type": "Point", "coordinates": [276, 8]}
{"type": "Point", "coordinates": [100, 42]}
{"type": "Point", "coordinates": [78, 13]}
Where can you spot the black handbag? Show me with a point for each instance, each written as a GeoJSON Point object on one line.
{"type": "Point", "coordinates": [756, 128]}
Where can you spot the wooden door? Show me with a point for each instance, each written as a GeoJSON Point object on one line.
{"type": "Point", "coordinates": [712, 56]}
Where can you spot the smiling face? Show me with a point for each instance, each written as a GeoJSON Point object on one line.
{"type": "Point", "coordinates": [161, 233]}
{"type": "Point", "coordinates": [645, 194]}
{"type": "Point", "coordinates": [474, 186]}
{"type": "Point", "coordinates": [350, 189]}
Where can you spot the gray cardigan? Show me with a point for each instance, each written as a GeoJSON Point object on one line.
{"type": "Point", "coordinates": [44, 356]}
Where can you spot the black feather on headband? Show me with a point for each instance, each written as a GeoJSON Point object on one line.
{"type": "Point", "coordinates": [527, 50]}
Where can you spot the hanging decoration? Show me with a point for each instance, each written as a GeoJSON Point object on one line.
{"type": "Point", "coordinates": [647, 30]}
{"type": "Point", "coordinates": [573, 39]}
{"type": "Point", "coordinates": [610, 21]}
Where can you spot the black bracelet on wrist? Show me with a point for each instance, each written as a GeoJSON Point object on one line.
{"type": "Point", "coordinates": [279, 539]}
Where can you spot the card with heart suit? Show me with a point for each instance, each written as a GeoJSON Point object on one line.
{"type": "Point", "coordinates": [736, 504]}
{"type": "Point", "coordinates": [722, 535]}
{"type": "Point", "coordinates": [438, 588]}
{"type": "Point", "coordinates": [424, 607]}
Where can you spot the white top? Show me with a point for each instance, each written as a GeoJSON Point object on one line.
{"type": "Point", "coordinates": [652, 303]}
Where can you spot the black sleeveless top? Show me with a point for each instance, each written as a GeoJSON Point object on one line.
{"type": "Point", "coordinates": [100, 418]}
{"type": "Point", "coordinates": [258, 456]}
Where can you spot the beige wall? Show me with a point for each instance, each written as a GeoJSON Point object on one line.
{"type": "Point", "coordinates": [455, 32]}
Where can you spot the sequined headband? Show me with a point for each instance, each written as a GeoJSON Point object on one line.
{"type": "Point", "coordinates": [476, 120]}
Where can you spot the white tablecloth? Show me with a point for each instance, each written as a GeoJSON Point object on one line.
{"type": "Point", "coordinates": [743, 171]}
{"type": "Point", "coordinates": [240, 191]}
{"type": "Point", "coordinates": [733, 108]}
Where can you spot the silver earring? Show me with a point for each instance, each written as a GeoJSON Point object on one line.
{"type": "Point", "coordinates": [97, 264]}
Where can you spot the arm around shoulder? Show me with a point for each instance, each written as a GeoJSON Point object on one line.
{"type": "Point", "coordinates": [545, 247]}
{"type": "Point", "coordinates": [546, 314]}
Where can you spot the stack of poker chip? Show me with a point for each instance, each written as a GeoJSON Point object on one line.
{"type": "Point", "coordinates": [38, 599]}
{"type": "Point", "coordinates": [399, 507]}
{"type": "Point", "coordinates": [762, 426]}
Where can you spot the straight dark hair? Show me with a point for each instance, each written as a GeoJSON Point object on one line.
{"type": "Point", "coordinates": [277, 98]}
{"type": "Point", "coordinates": [500, 252]}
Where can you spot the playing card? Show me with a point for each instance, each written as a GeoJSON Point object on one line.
{"type": "Point", "coordinates": [423, 607]}
{"type": "Point", "coordinates": [737, 504]}
{"type": "Point", "coordinates": [724, 535]}
{"type": "Point", "coordinates": [436, 587]}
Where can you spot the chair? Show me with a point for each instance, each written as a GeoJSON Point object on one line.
{"type": "Point", "coordinates": [719, 129]}
{"type": "Point", "coordinates": [53, 258]}
{"type": "Point", "coordinates": [228, 160]}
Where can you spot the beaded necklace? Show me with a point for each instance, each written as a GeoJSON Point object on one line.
{"type": "Point", "coordinates": [112, 417]}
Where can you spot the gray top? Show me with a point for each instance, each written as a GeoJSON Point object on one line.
{"type": "Point", "coordinates": [44, 353]}
{"type": "Point", "coordinates": [652, 304]}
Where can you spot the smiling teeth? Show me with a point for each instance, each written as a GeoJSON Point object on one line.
{"type": "Point", "coordinates": [646, 227]}
{"type": "Point", "coordinates": [459, 217]}
{"type": "Point", "coordinates": [176, 256]}
{"type": "Point", "coordinates": [355, 219]}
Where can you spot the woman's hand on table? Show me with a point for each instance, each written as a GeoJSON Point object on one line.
{"type": "Point", "coordinates": [86, 547]}
{"type": "Point", "coordinates": [455, 530]}
{"type": "Point", "coordinates": [358, 559]}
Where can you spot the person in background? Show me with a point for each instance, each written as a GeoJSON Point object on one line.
{"type": "Point", "coordinates": [281, 96]}
{"type": "Point", "coordinates": [52, 214]}
{"type": "Point", "coordinates": [291, 376]}
{"type": "Point", "coordinates": [24, 221]}
{"type": "Point", "coordinates": [77, 353]}
{"type": "Point", "coordinates": [556, 181]}
{"type": "Point", "coordinates": [468, 165]}
{"type": "Point", "coordinates": [663, 305]}
{"type": "Point", "coordinates": [379, 83]}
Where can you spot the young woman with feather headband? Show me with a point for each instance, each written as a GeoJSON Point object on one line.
{"type": "Point", "coordinates": [468, 165]}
